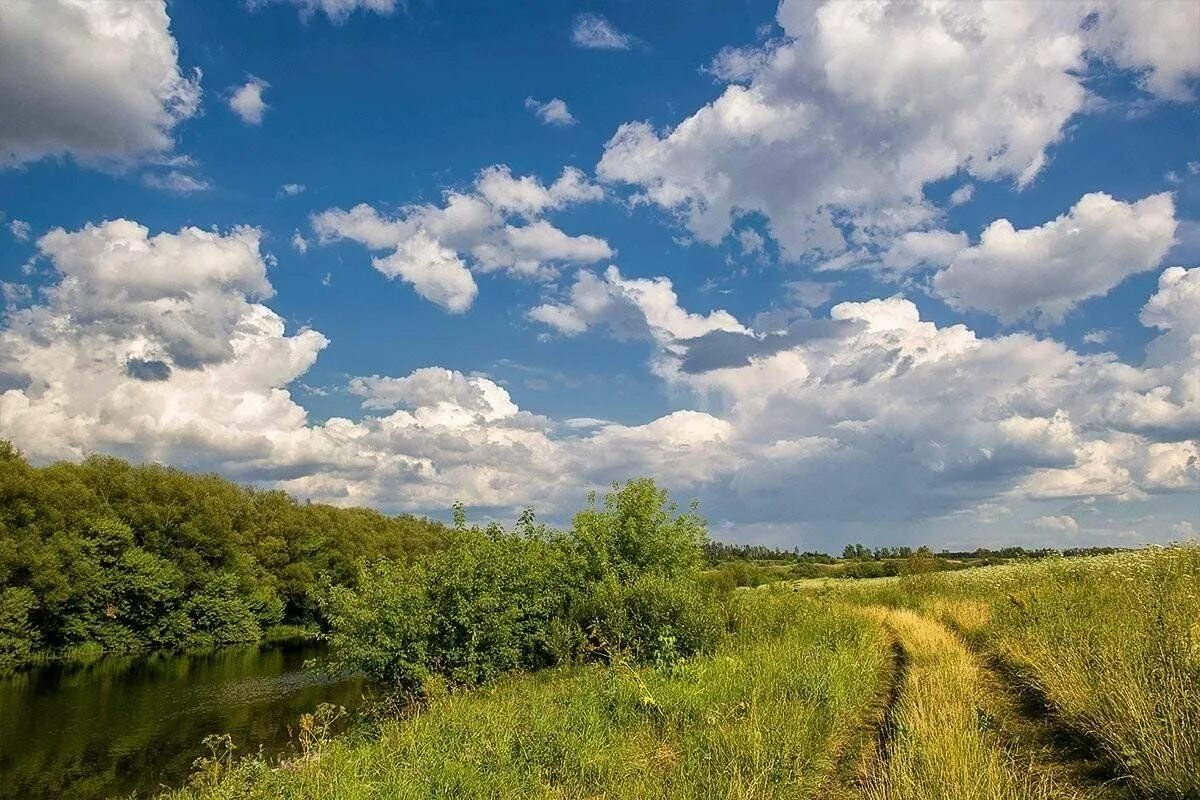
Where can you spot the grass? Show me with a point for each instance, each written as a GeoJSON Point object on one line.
{"type": "Point", "coordinates": [1109, 646]}
{"type": "Point", "coordinates": [942, 740]}
{"type": "Point", "coordinates": [767, 716]}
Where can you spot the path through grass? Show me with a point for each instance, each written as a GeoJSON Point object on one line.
{"type": "Point", "coordinates": [941, 740]}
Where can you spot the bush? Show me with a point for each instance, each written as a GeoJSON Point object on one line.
{"type": "Point", "coordinates": [624, 579]}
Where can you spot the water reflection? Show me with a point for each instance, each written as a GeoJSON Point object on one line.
{"type": "Point", "coordinates": [135, 723]}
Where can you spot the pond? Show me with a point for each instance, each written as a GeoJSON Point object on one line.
{"type": "Point", "coordinates": [133, 724]}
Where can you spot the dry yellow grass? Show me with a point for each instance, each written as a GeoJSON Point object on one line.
{"type": "Point", "coordinates": [941, 743]}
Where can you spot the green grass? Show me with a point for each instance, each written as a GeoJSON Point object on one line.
{"type": "Point", "coordinates": [769, 715]}
{"type": "Point", "coordinates": [1112, 644]}
{"type": "Point", "coordinates": [783, 708]}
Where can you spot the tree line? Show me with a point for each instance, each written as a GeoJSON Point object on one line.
{"type": "Point", "coordinates": [107, 556]}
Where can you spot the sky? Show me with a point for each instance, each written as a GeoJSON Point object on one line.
{"type": "Point", "coordinates": [893, 272]}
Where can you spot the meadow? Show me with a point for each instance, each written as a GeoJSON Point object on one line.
{"type": "Point", "coordinates": [1049, 679]}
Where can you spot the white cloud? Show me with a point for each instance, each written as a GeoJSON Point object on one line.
{"type": "Point", "coordinates": [151, 346]}
{"type": "Point", "coordinates": [161, 347]}
{"type": "Point", "coordinates": [15, 293]}
{"type": "Point", "coordinates": [435, 247]}
{"type": "Point", "coordinates": [1062, 522]}
{"type": "Point", "coordinates": [435, 272]}
{"type": "Point", "coordinates": [431, 388]}
{"type": "Point", "coordinates": [336, 10]}
{"type": "Point", "coordinates": [595, 32]}
{"type": "Point", "coordinates": [299, 243]}
{"type": "Point", "coordinates": [833, 131]}
{"type": "Point", "coordinates": [96, 81]}
{"type": "Point", "coordinates": [176, 182]}
{"type": "Point", "coordinates": [292, 189]}
{"type": "Point", "coordinates": [551, 112]}
{"type": "Point", "coordinates": [962, 194]}
{"type": "Point", "coordinates": [630, 308]}
{"type": "Point", "coordinates": [923, 248]}
{"type": "Point", "coordinates": [1096, 337]}
{"type": "Point", "coordinates": [1156, 39]}
{"type": "Point", "coordinates": [811, 294]}
{"type": "Point", "coordinates": [751, 242]}
{"type": "Point", "coordinates": [247, 100]}
{"type": "Point", "coordinates": [20, 230]}
{"type": "Point", "coordinates": [926, 420]}
{"type": "Point", "coordinates": [1047, 270]}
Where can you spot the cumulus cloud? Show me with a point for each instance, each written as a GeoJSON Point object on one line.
{"type": "Point", "coordinates": [874, 401]}
{"type": "Point", "coordinates": [1049, 269]}
{"type": "Point", "coordinates": [551, 112]}
{"type": "Point", "coordinates": [495, 226]}
{"type": "Point", "coordinates": [292, 189]}
{"type": "Point", "coordinates": [162, 346]}
{"type": "Point", "coordinates": [1060, 522]}
{"type": "Point", "coordinates": [99, 82]}
{"type": "Point", "coordinates": [597, 33]}
{"type": "Point", "coordinates": [630, 308]}
{"type": "Point", "coordinates": [432, 387]}
{"type": "Point", "coordinates": [247, 100]}
{"type": "Point", "coordinates": [811, 294]}
{"type": "Point", "coordinates": [923, 248]}
{"type": "Point", "coordinates": [299, 243]}
{"type": "Point", "coordinates": [159, 346]}
{"type": "Point", "coordinates": [962, 194]}
{"type": "Point", "coordinates": [833, 130]}
{"type": "Point", "coordinates": [155, 346]}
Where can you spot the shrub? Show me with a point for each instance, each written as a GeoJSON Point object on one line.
{"type": "Point", "coordinates": [625, 578]}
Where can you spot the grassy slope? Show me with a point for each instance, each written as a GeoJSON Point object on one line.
{"type": "Point", "coordinates": [767, 716]}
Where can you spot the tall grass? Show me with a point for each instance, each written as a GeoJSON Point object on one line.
{"type": "Point", "coordinates": [767, 716]}
{"type": "Point", "coordinates": [941, 744]}
{"type": "Point", "coordinates": [1112, 643]}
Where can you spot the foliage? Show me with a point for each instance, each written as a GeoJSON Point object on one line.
{"type": "Point", "coordinates": [624, 579]}
{"type": "Point", "coordinates": [108, 555]}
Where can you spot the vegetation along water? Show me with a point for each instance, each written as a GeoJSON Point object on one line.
{"type": "Point", "coordinates": [624, 656]}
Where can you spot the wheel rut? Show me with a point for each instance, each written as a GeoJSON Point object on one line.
{"type": "Point", "coordinates": [954, 724]}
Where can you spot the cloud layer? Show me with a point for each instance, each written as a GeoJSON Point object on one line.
{"type": "Point", "coordinates": [161, 346]}
{"type": "Point", "coordinates": [1046, 271]}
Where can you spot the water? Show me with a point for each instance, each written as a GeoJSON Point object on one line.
{"type": "Point", "coordinates": [133, 724]}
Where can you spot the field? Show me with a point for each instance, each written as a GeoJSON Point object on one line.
{"type": "Point", "coordinates": [1051, 679]}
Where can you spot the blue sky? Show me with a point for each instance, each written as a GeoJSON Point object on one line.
{"type": "Point", "coordinates": [804, 324]}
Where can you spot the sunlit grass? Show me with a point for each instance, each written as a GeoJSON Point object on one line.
{"type": "Point", "coordinates": [767, 716]}
{"type": "Point", "coordinates": [941, 744]}
{"type": "Point", "coordinates": [1112, 643]}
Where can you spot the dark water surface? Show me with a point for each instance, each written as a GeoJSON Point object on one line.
{"type": "Point", "coordinates": [135, 723]}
